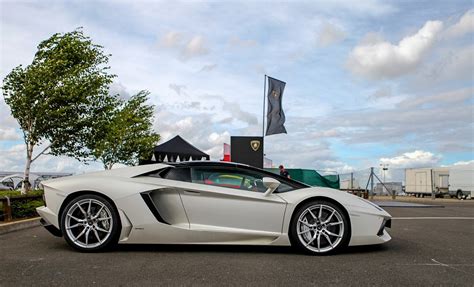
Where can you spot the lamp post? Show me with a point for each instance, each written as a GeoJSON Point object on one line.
{"type": "Point", "coordinates": [384, 167]}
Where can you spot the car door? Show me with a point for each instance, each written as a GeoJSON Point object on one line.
{"type": "Point", "coordinates": [231, 199]}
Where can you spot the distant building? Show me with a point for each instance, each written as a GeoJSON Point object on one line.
{"type": "Point", "coordinates": [391, 186]}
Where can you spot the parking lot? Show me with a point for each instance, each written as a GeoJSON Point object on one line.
{"type": "Point", "coordinates": [428, 248]}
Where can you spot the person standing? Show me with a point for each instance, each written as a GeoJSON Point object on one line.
{"type": "Point", "coordinates": [283, 172]}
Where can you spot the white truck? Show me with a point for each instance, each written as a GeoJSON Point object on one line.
{"type": "Point", "coordinates": [423, 182]}
{"type": "Point", "coordinates": [461, 181]}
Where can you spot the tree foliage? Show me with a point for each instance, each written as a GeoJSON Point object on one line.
{"type": "Point", "coordinates": [128, 134]}
{"type": "Point", "coordinates": [62, 96]}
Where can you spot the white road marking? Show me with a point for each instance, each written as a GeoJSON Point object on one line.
{"type": "Point", "coordinates": [433, 217]}
{"type": "Point", "coordinates": [437, 263]}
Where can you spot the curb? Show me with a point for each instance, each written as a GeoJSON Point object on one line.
{"type": "Point", "coordinates": [19, 225]}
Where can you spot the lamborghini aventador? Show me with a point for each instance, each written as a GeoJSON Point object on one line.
{"type": "Point", "coordinates": [206, 203]}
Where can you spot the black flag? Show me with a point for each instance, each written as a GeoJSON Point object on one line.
{"type": "Point", "coordinates": [275, 114]}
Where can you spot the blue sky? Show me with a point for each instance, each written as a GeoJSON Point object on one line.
{"type": "Point", "coordinates": [368, 82]}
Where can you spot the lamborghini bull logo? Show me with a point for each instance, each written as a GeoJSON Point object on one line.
{"type": "Point", "coordinates": [255, 145]}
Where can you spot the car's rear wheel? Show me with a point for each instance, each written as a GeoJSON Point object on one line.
{"type": "Point", "coordinates": [320, 227]}
{"type": "Point", "coordinates": [90, 223]}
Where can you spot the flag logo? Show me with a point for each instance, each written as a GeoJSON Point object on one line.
{"type": "Point", "coordinates": [255, 145]}
{"type": "Point", "coordinates": [275, 114]}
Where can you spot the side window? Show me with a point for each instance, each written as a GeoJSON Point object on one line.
{"type": "Point", "coordinates": [229, 178]}
{"type": "Point", "coordinates": [180, 174]}
{"type": "Point", "coordinates": [284, 188]}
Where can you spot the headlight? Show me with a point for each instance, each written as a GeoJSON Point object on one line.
{"type": "Point", "coordinates": [371, 203]}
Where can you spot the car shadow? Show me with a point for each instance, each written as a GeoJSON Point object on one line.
{"type": "Point", "coordinates": [177, 248]}
{"type": "Point", "coordinates": [197, 248]}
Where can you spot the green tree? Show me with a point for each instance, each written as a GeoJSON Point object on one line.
{"type": "Point", "coordinates": [61, 97]}
{"type": "Point", "coordinates": [127, 136]}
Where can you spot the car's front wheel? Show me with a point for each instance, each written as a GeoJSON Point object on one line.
{"type": "Point", "coordinates": [320, 227]}
{"type": "Point", "coordinates": [90, 223]}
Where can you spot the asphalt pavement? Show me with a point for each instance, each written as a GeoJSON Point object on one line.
{"type": "Point", "coordinates": [425, 250]}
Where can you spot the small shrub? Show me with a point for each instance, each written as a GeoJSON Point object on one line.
{"type": "Point", "coordinates": [25, 208]}
{"type": "Point", "coordinates": [21, 205]}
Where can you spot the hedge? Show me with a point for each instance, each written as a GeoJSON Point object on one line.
{"type": "Point", "coordinates": [22, 208]}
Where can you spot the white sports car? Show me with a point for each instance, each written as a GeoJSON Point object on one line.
{"type": "Point", "coordinates": [206, 203]}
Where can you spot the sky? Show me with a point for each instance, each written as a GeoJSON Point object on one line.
{"type": "Point", "coordinates": [367, 82]}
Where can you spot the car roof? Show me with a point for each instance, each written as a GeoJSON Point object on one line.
{"type": "Point", "coordinates": [208, 163]}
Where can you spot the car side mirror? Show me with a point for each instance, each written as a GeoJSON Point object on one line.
{"type": "Point", "coordinates": [271, 184]}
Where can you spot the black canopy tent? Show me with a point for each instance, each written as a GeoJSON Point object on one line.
{"type": "Point", "coordinates": [178, 149]}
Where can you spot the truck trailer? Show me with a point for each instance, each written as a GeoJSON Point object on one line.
{"type": "Point", "coordinates": [461, 181]}
{"type": "Point", "coordinates": [426, 181]}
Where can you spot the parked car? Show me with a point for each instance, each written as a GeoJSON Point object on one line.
{"type": "Point", "coordinates": [206, 203]}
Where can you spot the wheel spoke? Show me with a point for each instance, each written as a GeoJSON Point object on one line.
{"type": "Point", "coordinates": [328, 239]}
{"type": "Point", "coordinates": [304, 231]}
{"type": "Point", "coordinates": [305, 223]}
{"type": "Point", "coordinates": [80, 234]}
{"type": "Point", "coordinates": [312, 214]}
{"type": "Point", "coordinates": [97, 235]}
{"type": "Point", "coordinates": [335, 223]}
{"type": "Point", "coordinates": [333, 234]}
{"type": "Point", "coordinates": [330, 217]}
{"type": "Point", "coordinates": [74, 226]}
{"type": "Point", "coordinates": [319, 242]}
{"type": "Point", "coordinates": [87, 236]}
{"type": "Point", "coordinates": [76, 219]}
{"type": "Point", "coordinates": [101, 229]}
{"type": "Point", "coordinates": [320, 211]}
{"type": "Point", "coordinates": [89, 207]}
{"type": "Point", "coordinates": [312, 239]}
{"type": "Point", "coordinates": [82, 209]}
{"type": "Point", "coordinates": [98, 212]}
{"type": "Point", "coordinates": [104, 218]}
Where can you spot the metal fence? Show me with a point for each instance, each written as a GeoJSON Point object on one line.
{"type": "Point", "coordinates": [438, 181]}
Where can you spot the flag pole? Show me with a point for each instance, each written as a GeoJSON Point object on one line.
{"type": "Point", "coordinates": [263, 116]}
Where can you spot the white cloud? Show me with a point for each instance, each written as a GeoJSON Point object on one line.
{"type": "Point", "coordinates": [172, 39]}
{"type": "Point", "coordinates": [177, 88]}
{"type": "Point", "coordinates": [455, 97]}
{"type": "Point", "coordinates": [197, 46]}
{"type": "Point", "coordinates": [464, 26]}
{"type": "Point", "coordinates": [117, 88]}
{"type": "Point", "coordinates": [376, 58]}
{"type": "Point", "coordinates": [330, 34]}
{"type": "Point", "coordinates": [241, 43]}
{"type": "Point", "coordinates": [208, 68]}
{"type": "Point", "coordinates": [417, 158]}
{"type": "Point", "coordinates": [366, 8]}
{"type": "Point", "coordinates": [462, 163]}
{"type": "Point", "coordinates": [9, 134]}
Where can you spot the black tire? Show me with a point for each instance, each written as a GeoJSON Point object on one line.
{"type": "Point", "coordinates": [303, 241]}
{"type": "Point", "coordinates": [99, 206]}
{"type": "Point", "coordinates": [459, 195]}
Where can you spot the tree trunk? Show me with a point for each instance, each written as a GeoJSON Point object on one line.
{"type": "Point", "coordinates": [26, 186]}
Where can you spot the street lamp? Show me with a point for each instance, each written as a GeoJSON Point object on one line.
{"type": "Point", "coordinates": [384, 168]}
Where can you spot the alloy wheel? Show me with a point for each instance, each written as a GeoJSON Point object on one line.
{"type": "Point", "coordinates": [88, 223]}
{"type": "Point", "coordinates": [320, 228]}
